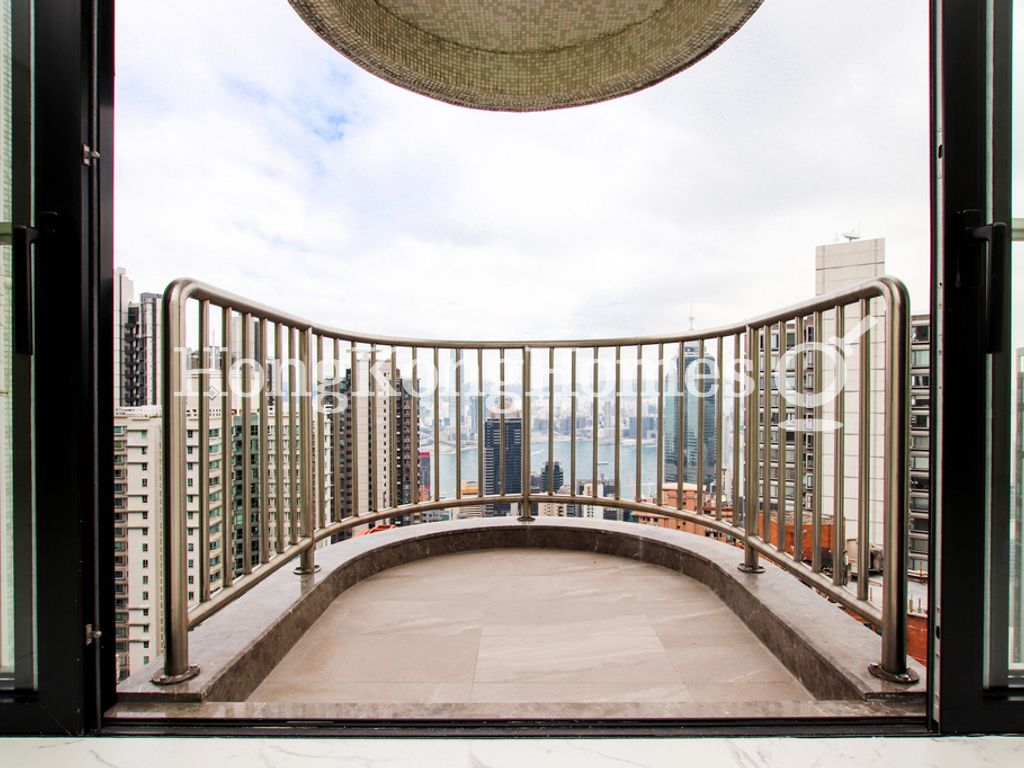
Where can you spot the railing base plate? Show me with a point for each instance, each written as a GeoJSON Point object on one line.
{"type": "Point", "coordinates": [524, 519]}
{"type": "Point", "coordinates": [751, 568]}
{"type": "Point", "coordinates": [188, 674]}
{"type": "Point", "coordinates": [909, 677]}
{"type": "Point", "coordinates": [300, 571]}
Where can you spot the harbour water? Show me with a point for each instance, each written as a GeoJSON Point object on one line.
{"type": "Point", "coordinates": [584, 464]}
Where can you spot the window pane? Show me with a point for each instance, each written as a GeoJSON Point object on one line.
{"type": "Point", "coordinates": [1016, 555]}
{"type": "Point", "coordinates": [6, 507]}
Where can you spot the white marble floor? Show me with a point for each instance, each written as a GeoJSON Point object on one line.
{"type": "Point", "coordinates": [533, 626]}
{"type": "Point", "coordinates": [988, 752]}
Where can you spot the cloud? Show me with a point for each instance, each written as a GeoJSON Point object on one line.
{"type": "Point", "coordinates": [252, 156]}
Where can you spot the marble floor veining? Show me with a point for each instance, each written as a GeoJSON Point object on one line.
{"type": "Point", "coordinates": [528, 625]}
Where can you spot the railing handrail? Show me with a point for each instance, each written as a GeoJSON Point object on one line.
{"type": "Point", "coordinates": [185, 288]}
{"type": "Point", "coordinates": [315, 528]}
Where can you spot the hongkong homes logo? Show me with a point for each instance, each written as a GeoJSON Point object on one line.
{"type": "Point", "coordinates": [332, 387]}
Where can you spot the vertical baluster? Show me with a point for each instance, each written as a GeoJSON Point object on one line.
{"type": "Point", "coordinates": [864, 457]}
{"type": "Point", "coordinates": [458, 423]}
{"type": "Point", "coordinates": [354, 430]}
{"type": "Point", "coordinates": [766, 488]}
{"type": "Point", "coordinates": [781, 505]}
{"type": "Point", "coordinates": [618, 422]}
{"type": "Point", "coordinates": [320, 444]}
{"type": "Point", "coordinates": [501, 425]}
{"type": "Point", "coordinates": [245, 405]}
{"type": "Point", "coordinates": [203, 401]}
{"type": "Point", "coordinates": [336, 513]}
{"type": "Point", "coordinates": [816, 478]}
{"type": "Point", "coordinates": [719, 407]}
{"type": "Point", "coordinates": [659, 492]}
{"type": "Point", "coordinates": [597, 421]}
{"type": "Point", "coordinates": [414, 409]}
{"type": "Point", "coordinates": [307, 561]}
{"type": "Point", "coordinates": [700, 427]}
{"type": "Point", "coordinates": [798, 447]}
{"type": "Point", "coordinates": [736, 419]}
{"type": "Point", "coordinates": [393, 406]}
{"type": "Point", "coordinates": [637, 490]}
{"type": "Point", "coordinates": [838, 501]}
{"type": "Point", "coordinates": [437, 424]}
{"type": "Point", "coordinates": [751, 488]}
{"type": "Point", "coordinates": [293, 461]}
{"type": "Point", "coordinates": [680, 425]}
{"type": "Point", "coordinates": [264, 428]}
{"type": "Point", "coordinates": [527, 513]}
{"type": "Point", "coordinates": [572, 426]}
{"type": "Point", "coordinates": [480, 423]}
{"type": "Point", "coordinates": [375, 436]}
{"type": "Point", "coordinates": [227, 507]}
{"type": "Point", "coordinates": [279, 444]}
{"type": "Point", "coordinates": [551, 420]}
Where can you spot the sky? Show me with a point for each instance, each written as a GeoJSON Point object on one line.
{"type": "Point", "coordinates": [252, 156]}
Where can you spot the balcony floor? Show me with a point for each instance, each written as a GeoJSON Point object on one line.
{"type": "Point", "coordinates": [528, 626]}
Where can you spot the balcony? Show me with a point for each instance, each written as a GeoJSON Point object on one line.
{"type": "Point", "coordinates": [524, 600]}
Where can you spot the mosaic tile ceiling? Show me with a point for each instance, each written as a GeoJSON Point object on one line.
{"type": "Point", "coordinates": [524, 55]}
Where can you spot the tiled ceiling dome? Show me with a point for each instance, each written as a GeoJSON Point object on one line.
{"type": "Point", "coordinates": [523, 55]}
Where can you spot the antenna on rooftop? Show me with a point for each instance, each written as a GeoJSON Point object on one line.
{"type": "Point", "coordinates": [853, 234]}
{"type": "Point", "coordinates": [691, 316]}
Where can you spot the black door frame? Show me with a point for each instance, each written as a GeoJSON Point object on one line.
{"type": "Point", "coordinates": [72, 378]}
{"type": "Point", "coordinates": [971, 164]}
{"type": "Point", "coordinates": [71, 46]}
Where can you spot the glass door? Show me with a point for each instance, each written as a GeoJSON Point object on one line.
{"type": "Point", "coordinates": [1014, 638]}
{"type": "Point", "coordinates": [56, 75]}
{"type": "Point", "coordinates": [17, 619]}
{"type": "Point", "coordinates": [977, 629]}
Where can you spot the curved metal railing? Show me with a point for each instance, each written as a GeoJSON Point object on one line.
{"type": "Point", "coordinates": [281, 434]}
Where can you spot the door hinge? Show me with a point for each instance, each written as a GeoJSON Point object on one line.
{"type": "Point", "coordinates": [89, 154]}
{"type": "Point", "coordinates": [91, 634]}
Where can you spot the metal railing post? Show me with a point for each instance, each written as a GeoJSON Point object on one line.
{"type": "Point", "coordinates": [893, 666]}
{"type": "Point", "coordinates": [307, 560]}
{"type": "Point", "coordinates": [526, 514]}
{"type": "Point", "coordinates": [175, 549]}
{"type": "Point", "coordinates": [751, 494]}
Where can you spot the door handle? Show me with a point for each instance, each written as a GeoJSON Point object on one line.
{"type": "Point", "coordinates": [996, 238]}
{"type": "Point", "coordinates": [21, 278]}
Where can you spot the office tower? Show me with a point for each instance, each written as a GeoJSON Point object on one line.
{"type": "Point", "coordinates": [556, 475]}
{"type": "Point", "coordinates": [138, 529]}
{"type": "Point", "coordinates": [494, 469]}
{"type": "Point", "coordinates": [137, 345]}
{"type": "Point", "coordinates": [839, 266]}
{"type": "Point", "coordinates": [698, 374]}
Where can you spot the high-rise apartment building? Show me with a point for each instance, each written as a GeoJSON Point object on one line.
{"type": "Point", "coordinates": [138, 532]}
{"type": "Point", "coordinates": [920, 426]}
{"type": "Point", "coordinates": [365, 429]}
{"type": "Point", "coordinates": [137, 344]}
